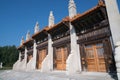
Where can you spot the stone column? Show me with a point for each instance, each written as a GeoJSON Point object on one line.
{"type": "Point", "coordinates": [114, 21]}
{"type": "Point", "coordinates": [31, 65]}
{"type": "Point", "coordinates": [34, 55]}
{"type": "Point", "coordinates": [19, 56]}
{"type": "Point", "coordinates": [18, 63]}
{"type": "Point", "coordinates": [73, 61]}
{"type": "Point", "coordinates": [21, 43]}
{"type": "Point", "coordinates": [50, 52]}
{"type": "Point", "coordinates": [47, 64]}
{"type": "Point", "coordinates": [26, 53]}
{"type": "Point", "coordinates": [24, 62]}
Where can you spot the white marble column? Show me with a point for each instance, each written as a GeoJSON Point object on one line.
{"type": "Point", "coordinates": [17, 64]}
{"type": "Point", "coordinates": [19, 56]}
{"type": "Point", "coordinates": [50, 42]}
{"type": "Point", "coordinates": [47, 64]}
{"type": "Point", "coordinates": [114, 21]}
{"type": "Point", "coordinates": [24, 62]}
{"type": "Point", "coordinates": [34, 55]}
{"type": "Point", "coordinates": [36, 29]}
{"type": "Point", "coordinates": [73, 61]}
{"type": "Point", "coordinates": [21, 43]}
{"type": "Point", "coordinates": [50, 52]}
{"type": "Point", "coordinates": [31, 65]}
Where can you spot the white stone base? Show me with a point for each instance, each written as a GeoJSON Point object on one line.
{"type": "Point", "coordinates": [72, 65]}
{"type": "Point", "coordinates": [47, 64]}
{"type": "Point", "coordinates": [22, 65]}
{"type": "Point", "coordinates": [16, 65]}
{"type": "Point", "coordinates": [30, 65]}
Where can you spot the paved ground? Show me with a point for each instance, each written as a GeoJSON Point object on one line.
{"type": "Point", "coordinates": [55, 75]}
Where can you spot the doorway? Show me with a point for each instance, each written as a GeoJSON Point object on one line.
{"type": "Point", "coordinates": [41, 55]}
{"type": "Point", "coordinates": [95, 57]}
{"type": "Point", "coordinates": [61, 54]}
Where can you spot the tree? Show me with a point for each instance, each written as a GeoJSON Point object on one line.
{"type": "Point", "coordinates": [8, 55]}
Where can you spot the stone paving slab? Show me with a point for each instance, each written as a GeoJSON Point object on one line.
{"type": "Point", "coordinates": [55, 75]}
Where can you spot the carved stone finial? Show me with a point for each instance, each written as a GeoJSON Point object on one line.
{"type": "Point", "coordinates": [36, 29]}
{"type": "Point", "coordinates": [28, 35]}
{"type": "Point", "coordinates": [22, 41]}
{"type": "Point", "coordinates": [72, 9]}
{"type": "Point", "coordinates": [51, 19]}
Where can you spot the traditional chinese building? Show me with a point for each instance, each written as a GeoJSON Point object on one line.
{"type": "Point", "coordinates": [78, 43]}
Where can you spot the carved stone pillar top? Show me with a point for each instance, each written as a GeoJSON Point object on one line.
{"type": "Point", "coordinates": [22, 41]}
{"type": "Point", "coordinates": [28, 35]}
{"type": "Point", "coordinates": [36, 27]}
{"type": "Point", "coordinates": [51, 19]}
{"type": "Point", "coordinates": [72, 9]}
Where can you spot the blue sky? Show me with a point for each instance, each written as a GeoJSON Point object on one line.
{"type": "Point", "coordinates": [19, 16]}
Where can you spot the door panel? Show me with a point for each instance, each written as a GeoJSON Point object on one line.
{"type": "Point", "coordinates": [41, 56]}
{"type": "Point", "coordinates": [61, 56]}
{"type": "Point", "coordinates": [95, 57]}
{"type": "Point", "coordinates": [100, 57]}
{"type": "Point", "coordinates": [90, 56]}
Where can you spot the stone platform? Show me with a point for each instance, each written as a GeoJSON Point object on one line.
{"type": "Point", "coordinates": [55, 75]}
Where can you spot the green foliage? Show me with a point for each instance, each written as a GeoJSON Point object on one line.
{"type": "Point", "coordinates": [8, 55]}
